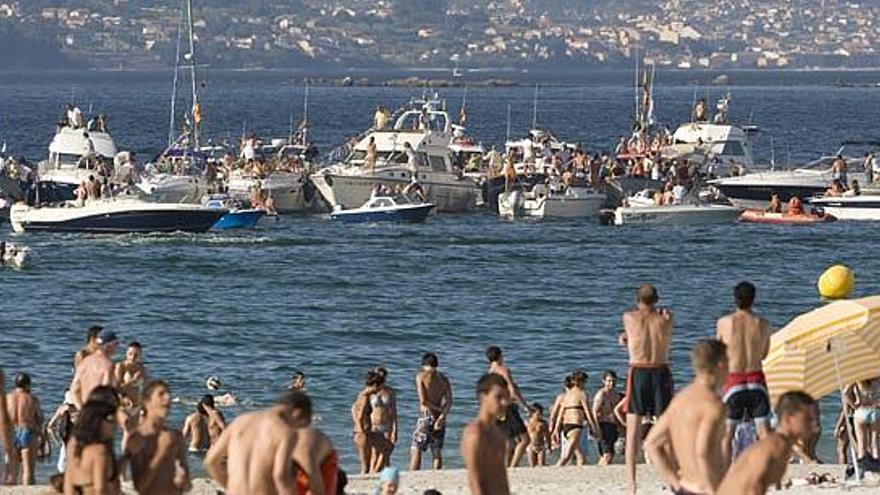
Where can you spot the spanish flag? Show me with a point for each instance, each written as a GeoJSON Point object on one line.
{"type": "Point", "coordinates": [197, 113]}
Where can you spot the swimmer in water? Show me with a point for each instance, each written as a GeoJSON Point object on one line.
{"type": "Point", "coordinates": [297, 381]}
{"type": "Point", "coordinates": [204, 426]}
{"type": "Point", "coordinates": [227, 399]}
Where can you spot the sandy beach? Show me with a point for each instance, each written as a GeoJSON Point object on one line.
{"type": "Point", "coordinates": [551, 480]}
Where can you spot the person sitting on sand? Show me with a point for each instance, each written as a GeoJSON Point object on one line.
{"type": "Point", "coordinates": [510, 422]}
{"type": "Point", "coordinates": [764, 463]}
{"type": "Point", "coordinates": [26, 419]}
{"type": "Point", "coordinates": [647, 334]}
{"type": "Point", "coordinates": [575, 416]}
{"type": "Point", "coordinates": [683, 443]}
{"type": "Point", "coordinates": [131, 375]}
{"type": "Point", "coordinates": [747, 337]}
{"type": "Point", "coordinates": [435, 401]}
{"type": "Point", "coordinates": [156, 452]}
{"type": "Point", "coordinates": [483, 442]}
{"type": "Point", "coordinates": [253, 454]}
{"type": "Point", "coordinates": [539, 436]}
{"type": "Point", "coordinates": [204, 426]}
{"type": "Point", "coordinates": [606, 399]}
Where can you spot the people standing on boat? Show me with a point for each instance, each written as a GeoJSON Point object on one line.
{"type": "Point", "coordinates": [483, 442]}
{"type": "Point", "coordinates": [496, 163]}
{"type": "Point", "coordinates": [604, 402]}
{"type": "Point", "coordinates": [747, 337]}
{"type": "Point", "coordinates": [96, 369]}
{"type": "Point", "coordinates": [381, 118]}
{"type": "Point", "coordinates": [383, 419]}
{"type": "Point", "coordinates": [509, 171]}
{"type": "Point", "coordinates": [682, 445]}
{"type": "Point", "coordinates": [26, 419]}
{"type": "Point", "coordinates": [74, 116]}
{"type": "Point", "coordinates": [576, 415]}
{"type": "Point", "coordinates": [131, 376]}
{"type": "Point", "coordinates": [838, 171]}
{"type": "Point", "coordinates": [435, 401]}
{"type": "Point", "coordinates": [647, 335]}
{"type": "Point", "coordinates": [371, 155]}
{"type": "Point", "coordinates": [412, 159]}
{"type": "Point", "coordinates": [511, 422]}
{"type": "Point", "coordinates": [155, 451]}
{"type": "Point", "coordinates": [701, 111]}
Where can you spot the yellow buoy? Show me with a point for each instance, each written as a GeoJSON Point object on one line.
{"type": "Point", "coordinates": [837, 282]}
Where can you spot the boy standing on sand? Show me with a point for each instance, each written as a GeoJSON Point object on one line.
{"type": "Point", "coordinates": [483, 442]}
{"type": "Point", "coordinates": [764, 463]}
{"type": "Point", "coordinates": [158, 453]}
{"type": "Point", "coordinates": [606, 399]}
{"type": "Point", "coordinates": [683, 443]}
{"type": "Point", "coordinates": [253, 455]}
{"type": "Point", "coordinates": [512, 423]}
{"type": "Point", "coordinates": [649, 387]}
{"type": "Point", "coordinates": [539, 433]}
{"type": "Point", "coordinates": [26, 419]}
{"type": "Point", "coordinates": [435, 402]}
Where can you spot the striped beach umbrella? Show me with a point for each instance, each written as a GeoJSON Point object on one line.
{"type": "Point", "coordinates": [821, 351]}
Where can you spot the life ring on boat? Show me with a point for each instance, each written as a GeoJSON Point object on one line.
{"type": "Point", "coordinates": [328, 180]}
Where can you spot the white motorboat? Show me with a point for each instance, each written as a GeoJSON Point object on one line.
{"type": "Point", "coordinates": [75, 154]}
{"type": "Point", "coordinates": [291, 192]}
{"type": "Point", "coordinates": [541, 202]}
{"type": "Point", "coordinates": [127, 214]}
{"type": "Point", "coordinates": [753, 191]}
{"type": "Point", "coordinates": [641, 209]}
{"type": "Point", "coordinates": [13, 255]}
{"type": "Point", "coordinates": [862, 207]}
{"type": "Point", "coordinates": [423, 131]}
{"type": "Point", "coordinates": [385, 208]}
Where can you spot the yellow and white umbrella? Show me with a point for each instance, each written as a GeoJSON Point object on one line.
{"type": "Point", "coordinates": [821, 351]}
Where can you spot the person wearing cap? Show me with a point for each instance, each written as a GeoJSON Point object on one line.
{"type": "Point", "coordinates": [96, 369]}
{"type": "Point", "coordinates": [389, 481]}
{"type": "Point", "coordinates": [91, 344]}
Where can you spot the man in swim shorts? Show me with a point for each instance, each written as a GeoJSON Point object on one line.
{"type": "Point", "coordinates": [483, 441]}
{"type": "Point", "coordinates": [26, 420]}
{"type": "Point", "coordinates": [435, 401]}
{"type": "Point", "coordinates": [315, 460]}
{"type": "Point", "coordinates": [604, 402]}
{"type": "Point", "coordinates": [511, 423]}
{"type": "Point", "coordinates": [649, 387]}
{"type": "Point", "coordinates": [747, 337]}
{"type": "Point", "coordinates": [682, 445]}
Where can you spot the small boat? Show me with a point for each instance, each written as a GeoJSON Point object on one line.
{"type": "Point", "coordinates": [540, 202]}
{"type": "Point", "coordinates": [863, 207]}
{"type": "Point", "coordinates": [115, 216]}
{"type": "Point", "coordinates": [386, 209]}
{"type": "Point", "coordinates": [759, 216]}
{"type": "Point", "coordinates": [238, 217]}
{"type": "Point", "coordinates": [13, 256]}
{"type": "Point", "coordinates": [641, 209]}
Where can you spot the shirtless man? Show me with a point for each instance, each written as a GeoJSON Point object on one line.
{"type": "Point", "coordinates": [6, 429]}
{"type": "Point", "coordinates": [252, 456]}
{"type": "Point", "coordinates": [91, 345]}
{"type": "Point", "coordinates": [26, 420]}
{"type": "Point", "coordinates": [483, 442]}
{"type": "Point", "coordinates": [647, 332]}
{"type": "Point", "coordinates": [131, 375]}
{"type": "Point", "coordinates": [435, 402]}
{"type": "Point", "coordinates": [204, 426]}
{"type": "Point", "coordinates": [764, 463]}
{"type": "Point", "coordinates": [315, 461]}
{"type": "Point", "coordinates": [747, 337]}
{"type": "Point", "coordinates": [603, 408]}
{"type": "Point", "coordinates": [95, 369]}
{"type": "Point", "coordinates": [157, 452]}
{"type": "Point", "coordinates": [512, 423]}
{"type": "Point", "coordinates": [683, 443]}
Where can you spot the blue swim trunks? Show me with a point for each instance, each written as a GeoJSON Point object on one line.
{"type": "Point", "coordinates": [22, 438]}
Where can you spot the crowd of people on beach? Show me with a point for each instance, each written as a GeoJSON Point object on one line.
{"type": "Point", "coordinates": [689, 436]}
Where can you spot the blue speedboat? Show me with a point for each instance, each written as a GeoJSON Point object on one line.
{"type": "Point", "coordinates": [385, 209]}
{"type": "Point", "coordinates": [237, 218]}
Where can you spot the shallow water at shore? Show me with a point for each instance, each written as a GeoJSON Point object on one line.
{"type": "Point", "coordinates": [334, 300]}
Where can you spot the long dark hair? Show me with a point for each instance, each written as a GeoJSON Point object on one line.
{"type": "Point", "coordinates": [87, 430]}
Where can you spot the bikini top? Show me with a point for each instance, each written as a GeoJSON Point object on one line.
{"type": "Point", "coordinates": [377, 400]}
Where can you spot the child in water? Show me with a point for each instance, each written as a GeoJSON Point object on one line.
{"type": "Point", "coordinates": [539, 435]}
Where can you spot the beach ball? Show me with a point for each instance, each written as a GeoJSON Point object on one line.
{"type": "Point", "coordinates": [836, 282]}
{"type": "Point", "coordinates": [213, 383]}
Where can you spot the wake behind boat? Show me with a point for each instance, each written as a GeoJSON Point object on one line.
{"type": "Point", "coordinates": [114, 216]}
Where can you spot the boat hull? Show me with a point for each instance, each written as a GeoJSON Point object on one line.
{"type": "Point", "coordinates": [864, 208]}
{"type": "Point", "coordinates": [676, 215]}
{"type": "Point", "coordinates": [291, 195]}
{"type": "Point", "coordinates": [243, 219]}
{"type": "Point", "coordinates": [756, 197]}
{"type": "Point", "coordinates": [352, 191]}
{"type": "Point", "coordinates": [415, 214]}
{"type": "Point", "coordinates": [174, 189]}
{"type": "Point", "coordinates": [551, 207]}
{"type": "Point", "coordinates": [113, 221]}
{"type": "Point", "coordinates": [758, 216]}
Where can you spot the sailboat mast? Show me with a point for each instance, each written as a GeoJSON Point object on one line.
{"type": "Point", "coordinates": [305, 128]}
{"type": "Point", "coordinates": [535, 109]}
{"type": "Point", "coordinates": [171, 120]}
{"type": "Point", "coordinates": [196, 109]}
{"type": "Point", "coordinates": [508, 123]}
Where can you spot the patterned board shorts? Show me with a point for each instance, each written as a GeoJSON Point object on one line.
{"type": "Point", "coordinates": [426, 436]}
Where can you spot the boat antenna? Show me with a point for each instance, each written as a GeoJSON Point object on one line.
{"type": "Point", "coordinates": [772, 154]}
{"type": "Point", "coordinates": [196, 109]}
{"type": "Point", "coordinates": [694, 105]}
{"type": "Point", "coordinates": [290, 134]}
{"type": "Point", "coordinates": [636, 83]}
{"type": "Point", "coordinates": [535, 109]}
{"type": "Point", "coordinates": [305, 128]}
{"type": "Point", "coordinates": [508, 124]}
{"type": "Point", "coordinates": [171, 122]}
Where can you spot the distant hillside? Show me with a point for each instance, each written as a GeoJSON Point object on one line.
{"type": "Point", "coordinates": [19, 50]}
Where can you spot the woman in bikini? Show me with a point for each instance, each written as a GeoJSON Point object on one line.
{"type": "Point", "coordinates": [360, 417]}
{"type": "Point", "coordinates": [131, 376]}
{"type": "Point", "coordinates": [575, 414]}
{"type": "Point", "coordinates": [383, 420]}
{"type": "Point", "coordinates": [91, 465]}
{"type": "Point", "coordinates": [866, 417]}
{"type": "Point", "coordinates": [555, 434]}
